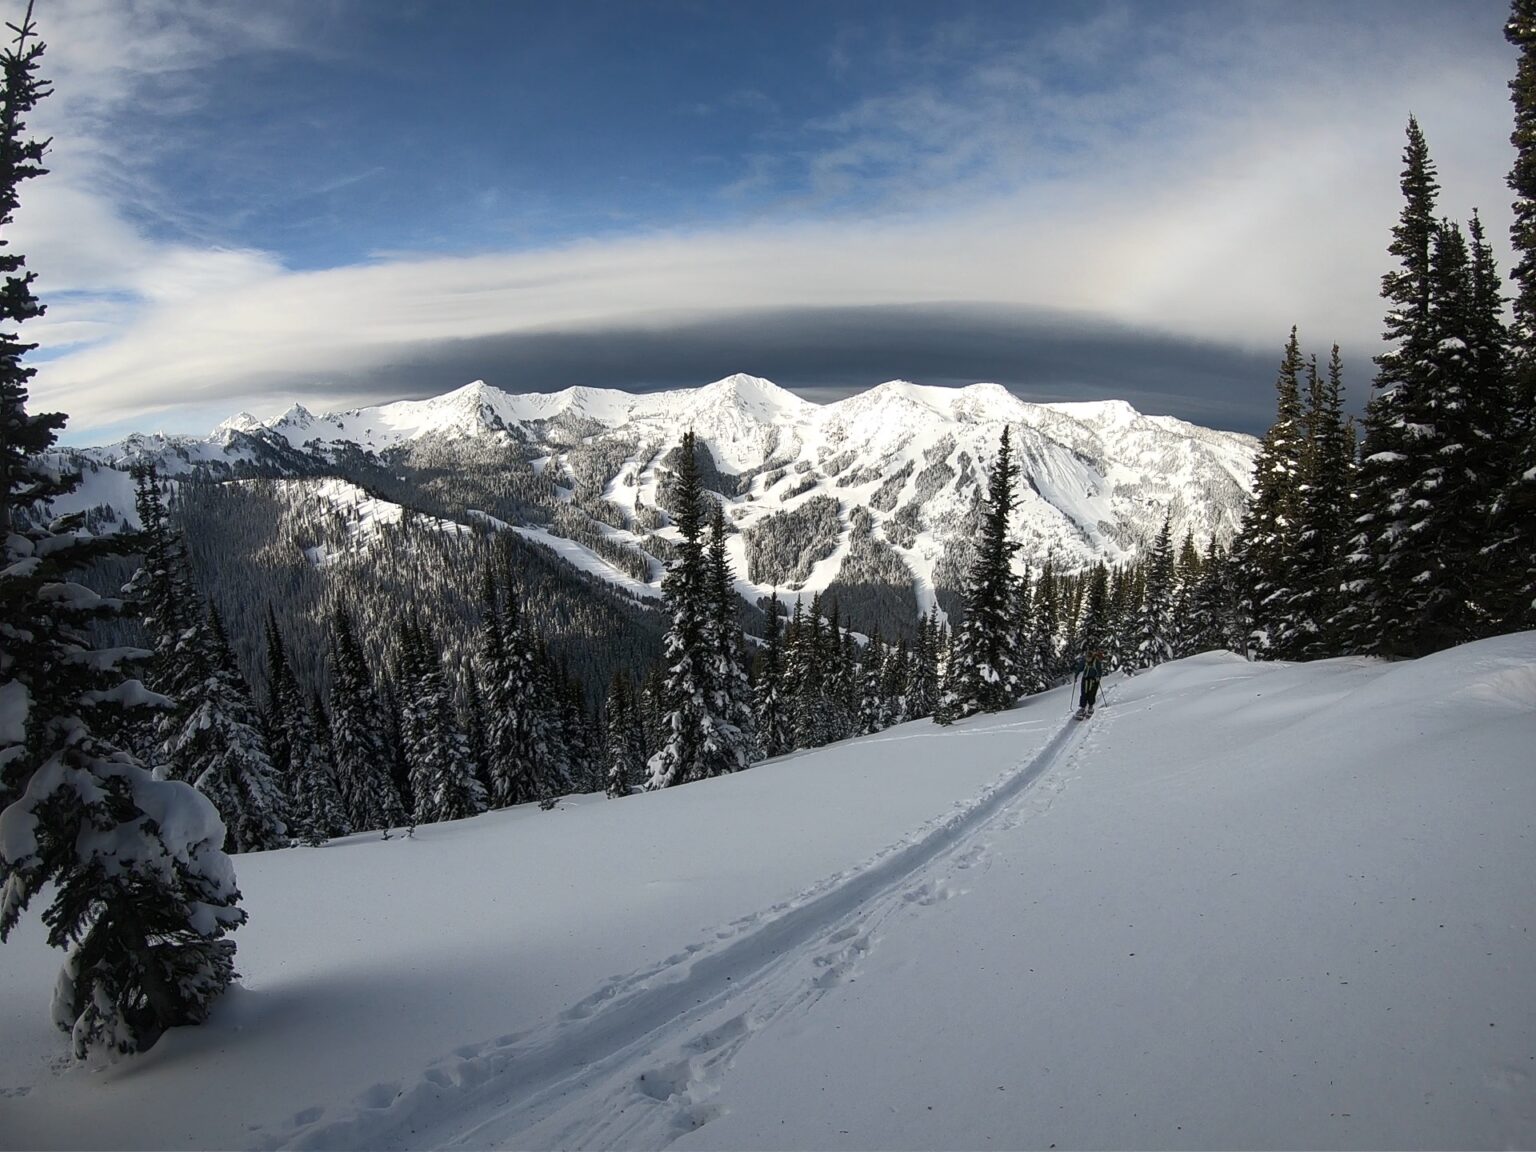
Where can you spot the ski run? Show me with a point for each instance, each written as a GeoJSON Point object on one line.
{"type": "Point", "coordinates": [1242, 905]}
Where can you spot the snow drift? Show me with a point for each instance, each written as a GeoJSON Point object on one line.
{"type": "Point", "coordinates": [1246, 905]}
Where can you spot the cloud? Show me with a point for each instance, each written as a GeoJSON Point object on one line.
{"type": "Point", "coordinates": [1154, 236]}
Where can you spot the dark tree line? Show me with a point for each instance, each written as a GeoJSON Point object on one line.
{"type": "Point", "coordinates": [1422, 537]}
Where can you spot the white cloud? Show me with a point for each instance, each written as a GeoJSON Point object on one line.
{"type": "Point", "coordinates": [1201, 198]}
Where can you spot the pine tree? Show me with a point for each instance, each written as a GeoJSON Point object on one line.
{"type": "Point", "coordinates": [1154, 626]}
{"type": "Point", "coordinates": [1324, 512]}
{"type": "Point", "coordinates": [1381, 561]}
{"type": "Point", "coordinates": [986, 648]}
{"type": "Point", "coordinates": [357, 736]}
{"type": "Point", "coordinates": [775, 725]}
{"type": "Point", "coordinates": [923, 682]}
{"type": "Point", "coordinates": [1094, 629]}
{"type": "Point", "coordinates": [314, 806]}
{"type": "Point", "coordinates": [625, 753]}
{"type": "Point", "coordinates": [212, 738]}
{"type": "Point", "coordinates": [702, 735]}
{"type": "Point", "coordinates": [472, 721]}
{"type": "Point", "coordinates": [733, 700]}
{"type": "Point", "coordinates": [142, 895]}
{"type": "Point", "coordinates": [442, 777]}
{"type": "Point", "coordinates": [1045, 656]}
{"type": "Point", "coordinates": [518, 732]}
{"type": "Point", "coordinates": [895, 682]}
{"type": "Point", "coordinates": [1512, 553]}
{"type": "Point", "coordinates": [1268, 535]}
{"type": "Point", "coordinates": [872, 714]}
{"type": "Point", "coordinates": [1186, 580]}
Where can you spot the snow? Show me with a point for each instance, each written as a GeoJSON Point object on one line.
{"type": "Point", "coordinates": [1244, 905]}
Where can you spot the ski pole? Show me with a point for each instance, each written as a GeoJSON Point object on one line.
{"type": "Point", "coordinates": [1071, 700]}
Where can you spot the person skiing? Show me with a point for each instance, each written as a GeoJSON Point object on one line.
{"type": "Point", "coordinates": [1091, 667]}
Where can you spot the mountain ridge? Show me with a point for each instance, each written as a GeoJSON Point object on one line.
{"type": "Point", "coordinates": [877, 489]}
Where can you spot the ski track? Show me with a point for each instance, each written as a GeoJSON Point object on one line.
{"type": "Point", "coordinates": [637, 1062]}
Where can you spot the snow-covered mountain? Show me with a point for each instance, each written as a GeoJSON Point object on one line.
{"type": "Point", "coordinates": [880, 488]}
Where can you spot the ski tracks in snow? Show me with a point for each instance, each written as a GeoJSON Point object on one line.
{"type": "Point", "coordinates": [639, 1061]}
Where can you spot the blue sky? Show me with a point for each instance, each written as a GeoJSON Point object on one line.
{"type": "Point", "coordinates": [352, 201]}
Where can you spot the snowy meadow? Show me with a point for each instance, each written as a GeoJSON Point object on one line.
{"type": "Point", "coordinates": [1244, 905]}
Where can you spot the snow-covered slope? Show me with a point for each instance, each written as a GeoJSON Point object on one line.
{"type": "Point", "coordinates": [1246, 905]}
{"type": "Point", "coordinates": [1097, 479]}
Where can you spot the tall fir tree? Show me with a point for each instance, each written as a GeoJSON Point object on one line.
{"type": "Point", "coordinates": [1512, 550]}
{"type": "Point", "coordinates": [625, 751]}
{"type": "Point", "coordinates": [734, 703]}
{"type": "Point", "coordinates": [1269, 525]}
{"type": "Point", "coordinates": [142, 895]}
{"type": "Point", "coordinates": [775, 722]}
{"type": "Point", "coordinates": [985, 668]}
{"type": "Point", "coordinates": [358, 745]}
{"type": "Point", "coordinates": [212, 737]}
{"type": "Point", "coordinates": [518, 731]}
{"type": "Point", "coordinates": [1324, 514]}
{"type": "Point", "coordinates": [315, 810]}
{"type": "Point", "coordinates": [1381, 560]}
{"type": "Point", "coordinates": [1094, 628]}
{"type": "Point", "coordinates": [701, 737]}
{"type": "Point", "coordinates": [1154, 624]}
{"type": "Point", "coordinates": [442, 776]}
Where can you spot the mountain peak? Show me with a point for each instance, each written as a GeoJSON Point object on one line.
{"type": "Point", "coordinates": [296, 414]}
{"type": "Point", "coordinates": [240, 422]}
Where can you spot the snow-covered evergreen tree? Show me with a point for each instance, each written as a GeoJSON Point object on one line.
{"type": "Point", "coordinates": [315, 810]}
{"type": "Point", "coordinates": [985, 675]}
{"type": "Point", "coordinates": [1381, 561]}
{"type": "Point", "coordinates": [519, 759]}
{"type": "Point", "coordinates": [212, 737]}
{"type": "Point", "coordinates": [1324, 513]}
{"type": "Point", "coordinates": [775, 721]}
{"type": "Point", "coordinates": [1512, 549]}
{"type": "Point", "coordinates": [443, 782]}
{"type": "Point", "coordinates": [1155, 624]}
{"type": "Point", "coordinates": [732, 687]}
{"type": "Point", "coordinates": [623, 739]}
{"type": "Point", "coordinates": [701, 735]}
{"type": "Point", "coordinates": [1267, 538]}
{"type": "Point", "coordinates": [141, 893]}
{"type": "Point", "coordinates": [357, 736]}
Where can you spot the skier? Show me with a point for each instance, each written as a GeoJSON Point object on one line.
{"type": "Point", "coordinates": [1090, 666]}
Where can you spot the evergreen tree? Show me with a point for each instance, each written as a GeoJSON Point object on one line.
{"type": "Point", "coordinates": [1186, 580]}
{"type": "Point", "coordinates": [314, 806]}
{"type": "Point", "coordinates": [442, 775]}
{"type": "Point", "coordinates": [141, 894]}
{"type": "Point", "coordinates": [1268, 535]}
{"type": "Point", "coordinates": [985, 668]}
{"type": "Point", "coordinates": [1045, 656]}
{"type": "Point", "coordinates": [1512, 553]}
{"type": "Point", "coordinates": [625, 751]}
{"type": "Point", "coordinates": [212, 737]}
{"type": "Point", "coordinates": [895, 680]}
{"type": "Point", "coordinates": [1094, 629]}
{"type": "Point", "coordinates": [357, 736]}
{"type": "Point", "coordinates": [702, 735]}
{"type": "Point", "coordinates": [733, 699]}
{"type": "Point", "coordinates": [472, 723]}
{"type": "Point", "coordinates": [1324, 509]}
{"type": "Point", "coordinates": [775, 723]}
{"type": "Point", "coordinates": [1381, 561]}
{"type": "Point", "coordinates": [519, 758]}
{"type": "Point", "coordinates": [1154, 626]}
{"type": "Point", "coordinates": [922, 684]}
